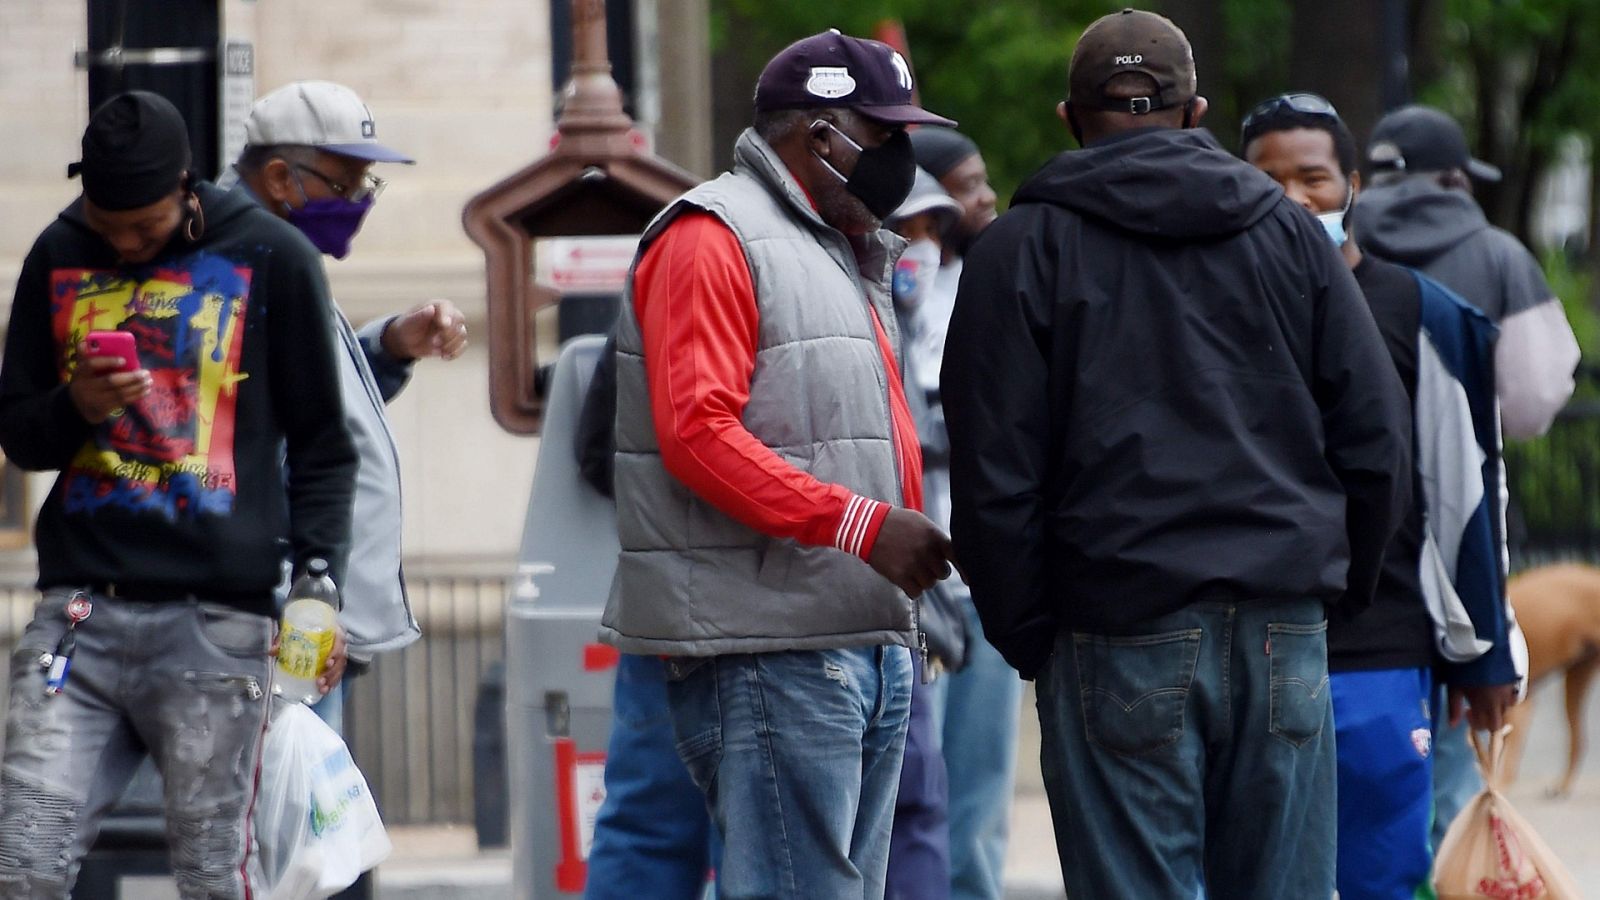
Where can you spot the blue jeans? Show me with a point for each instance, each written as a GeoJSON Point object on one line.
{"type": "Point", "coordinates": [977, 712]}
{"type": "Point", "coordinates": [1193, 754]}
{"type": "Point", "coordinates": [1455, 769]}
{"type": "Point", "coordinates": [919, 846]}
{"type": "Point", "coordinates": [653, 835]}
{"type": "Point", "coordinates": [798, 754]}
{"type": "Point", "coordinates": [1384, 731]}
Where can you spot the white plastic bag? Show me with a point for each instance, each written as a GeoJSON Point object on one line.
{"type": "Point", "coordinates": [315, 820]}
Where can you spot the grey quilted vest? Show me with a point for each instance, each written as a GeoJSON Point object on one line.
{"type": "Point", "coordinates": [691, 581]}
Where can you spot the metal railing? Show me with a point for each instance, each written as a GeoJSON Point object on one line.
{"type": "Point", "coordinates": [410, 719]}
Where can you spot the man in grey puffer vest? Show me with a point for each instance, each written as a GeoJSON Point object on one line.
{"type": "Point", "coordinates": [768, 477]}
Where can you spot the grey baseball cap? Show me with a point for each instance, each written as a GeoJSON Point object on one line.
{"type": "Point", "coordinates": [319, 114]}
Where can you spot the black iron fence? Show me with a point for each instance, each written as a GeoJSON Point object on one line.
{"type": "Point", "coordinates": [1554, 483]}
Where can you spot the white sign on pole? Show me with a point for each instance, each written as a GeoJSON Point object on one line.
{"type": "Point", "coordinates": [584, 265]}
{"type": "Point", "coordinates": [237, 94]}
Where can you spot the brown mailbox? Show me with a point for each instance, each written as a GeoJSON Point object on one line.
{"type": "Point", "coordinates": [598, 180]}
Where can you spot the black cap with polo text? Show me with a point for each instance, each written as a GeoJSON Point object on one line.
{"type": "Point", "coordinates": [835, 70]}
{"type": "Point", "coordinates": [1131, 41]}
{"type": "Point", "coordinates": [1423, 139]}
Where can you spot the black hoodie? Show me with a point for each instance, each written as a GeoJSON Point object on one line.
{"type": "Point", "coordinates": [1163, 386]}
{"type": "Point", "coordinates": [186, 491]}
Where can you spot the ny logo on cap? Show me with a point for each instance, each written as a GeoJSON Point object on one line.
{"type": "Point", "coordinates": [830, 82]}
{"type": "Point", "coordinates": [902, 72]}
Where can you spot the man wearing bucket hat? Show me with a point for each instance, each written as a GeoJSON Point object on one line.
{"type": "Point", "coordinates": [310, 149]}
{"type": "Point", "coordinates": [768, 476]}
{"type": "Point", "coordinates": [184, 471]}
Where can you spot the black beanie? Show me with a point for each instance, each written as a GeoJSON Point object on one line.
{"type": "Point", "coordinates": [941, 149]}
{"type": "Point", "coordinates": [135, 151]}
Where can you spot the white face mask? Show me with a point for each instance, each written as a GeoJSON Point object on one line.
{"type": "Point", "coordinates": [1333, 222]}
{"type": "Point", "coordinates": [914, 273]}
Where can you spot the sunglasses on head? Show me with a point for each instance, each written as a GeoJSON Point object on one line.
{"type": "Point", "coordinates": [1309, 104]}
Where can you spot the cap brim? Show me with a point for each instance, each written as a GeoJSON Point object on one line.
{"type": "Point", "coordinates": [943, 206]}
{"type": "Point", "coordinates": [369, 152]}
{"type": "Point", "coordinates": [1483, 171]}
{"type": "Point", "coordinates": [904, 114]}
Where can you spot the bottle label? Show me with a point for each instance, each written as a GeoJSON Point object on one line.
{"type": "Point", "coordinates": [302, 653]}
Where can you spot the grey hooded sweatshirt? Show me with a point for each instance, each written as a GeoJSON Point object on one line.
{"type": "Point", "coordinates": [1442, 232]}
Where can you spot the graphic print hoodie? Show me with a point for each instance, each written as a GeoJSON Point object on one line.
{"type": "Point", "coordinates": [184, 491]}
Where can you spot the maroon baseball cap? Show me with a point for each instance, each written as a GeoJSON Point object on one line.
{"type": "Point", "coordinates": [836, 70]}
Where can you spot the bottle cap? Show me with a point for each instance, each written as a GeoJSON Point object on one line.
{"type": "Point", "coordinates": [316, 566]}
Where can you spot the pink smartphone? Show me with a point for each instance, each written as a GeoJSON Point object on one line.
{"type": "Point", "coordinates": [114, 343]}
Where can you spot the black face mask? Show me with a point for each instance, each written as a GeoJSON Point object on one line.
{"type": "Point", "coordinates": [883, 176]}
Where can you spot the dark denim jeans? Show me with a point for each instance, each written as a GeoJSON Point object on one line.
{"type": "Point", "coordinates": [653, 835]}
{"type": "Point", "coordinates": [1194, 756]}
{"type": "Point", "coordinates": [798, 754]}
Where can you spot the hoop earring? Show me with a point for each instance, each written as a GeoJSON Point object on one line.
{"type": "Point", "coordinates": [195, 225]}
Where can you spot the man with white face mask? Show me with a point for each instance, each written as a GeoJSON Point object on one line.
{"type": "Point", "coordinates": [1420, 628]}
{"type": "Point", "coordinates": [978, 708]}
{"type": "Point", "coordinates": [919, 845]}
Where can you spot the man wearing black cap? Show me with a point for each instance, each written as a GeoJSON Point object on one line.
{"type": "Point", "coordinates": [980, 705]}
{"type": "Point", "coordinates": [161, 542]}
{"type": "Point", "coordinates": [768, 477]}
{"type": "Point", "coordinates": [1176, 440]}
{"type": "Point", "coordinates": [1419, 212]}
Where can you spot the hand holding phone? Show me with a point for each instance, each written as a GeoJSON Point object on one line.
{"type": "Point", "coordinates": [108, 377]}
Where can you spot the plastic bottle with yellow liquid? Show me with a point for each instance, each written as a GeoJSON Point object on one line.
{"type": "Point", "coordinates": [306, 635]}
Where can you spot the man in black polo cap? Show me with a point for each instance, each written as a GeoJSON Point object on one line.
{"type": "Point", "coordinates": [768, 476]}
{"type": "Point", "coordinates": [1176, 441]}
{"type": "Point", "coordinates": [161, 542]}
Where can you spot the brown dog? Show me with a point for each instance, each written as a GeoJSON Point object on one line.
{"type": "Point", "coordinates": [1558, 608]}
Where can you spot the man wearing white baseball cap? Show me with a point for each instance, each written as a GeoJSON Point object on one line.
{"type": "Point", "coordinates": [310, 148]}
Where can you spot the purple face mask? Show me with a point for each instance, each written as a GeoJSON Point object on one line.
{"type": "Point", "coordinates": [331, 222]}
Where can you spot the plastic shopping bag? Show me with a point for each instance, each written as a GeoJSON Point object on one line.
{"type": "Point", "coordinates": [1492, 852]}
{"type": "Point", "coordinates": [315, 819]}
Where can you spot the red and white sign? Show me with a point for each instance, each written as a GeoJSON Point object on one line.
{"type": "Point", "coordinates": [584, 265]}
{"type": "Point", "coordinates": [580, 789]}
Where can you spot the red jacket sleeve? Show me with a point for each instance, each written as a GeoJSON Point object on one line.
{"type": "Point", "coordinates": [697, 314]}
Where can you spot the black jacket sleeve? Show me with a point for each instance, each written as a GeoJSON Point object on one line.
{"type": "Point", "coordinates": [305, 384]}
{"type": "Point", "coordinates": [40, 428]}
{"type": "Point", "coordinates": [1366, 419]}
{"type": "Point", "coordinates": [997, 408]}
{"type": "Point", "coordinates": [596, 443]}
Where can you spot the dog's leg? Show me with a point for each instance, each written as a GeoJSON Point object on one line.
{"type": "Point", "coordinates": [1579, 677]}
{"type": "Point", "coordinates": [1520, 718]}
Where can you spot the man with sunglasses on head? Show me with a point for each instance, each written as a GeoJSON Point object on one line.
{"type": "Point", "coordinates": [1176, 443]}
{"type": "Point", "coordinates": [1423, 625]}
{"type": "Point", "coordinates": [768, 476]}
{"type": "Point", "coordinates": [310, 149]}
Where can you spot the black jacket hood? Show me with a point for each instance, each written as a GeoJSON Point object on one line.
{"type": "Point", "coordinates": [1162, 182]}
{"type": "Point", "coordinates": [1413, 221]}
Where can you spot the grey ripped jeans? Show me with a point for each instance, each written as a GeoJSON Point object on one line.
{"type": "Point", "coordinates": [185, 682]}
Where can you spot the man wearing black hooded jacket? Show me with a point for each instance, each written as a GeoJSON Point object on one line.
{"type": "Point", "coordinates": [1176, 440]}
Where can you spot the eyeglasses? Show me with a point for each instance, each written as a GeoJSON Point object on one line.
{"type": "Point", "coordinates": [369, 188]}
{"type": "Point", "coordinates": [1309, 104]}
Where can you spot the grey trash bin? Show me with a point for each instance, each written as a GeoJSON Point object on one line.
{"type": "Point", "coordinates": [558, 679]}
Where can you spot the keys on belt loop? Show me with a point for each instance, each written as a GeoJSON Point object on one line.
{"type": "Point", "coordinates": [60, 664]}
